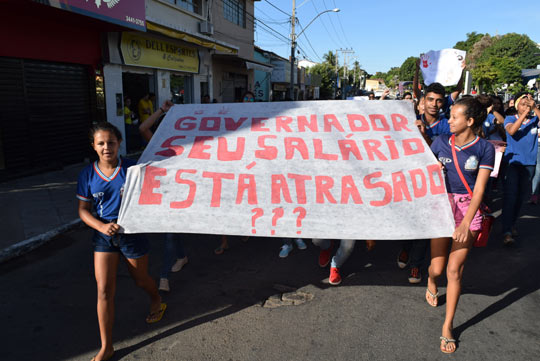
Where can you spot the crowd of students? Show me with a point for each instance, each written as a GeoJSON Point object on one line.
{"type": "Point", "coordinates": [458, 131]}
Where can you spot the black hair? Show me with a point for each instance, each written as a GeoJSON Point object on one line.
{"type": "Point", "coordinates": [497, 104]}
{"type": "Point", "coordinates": [105, 127]}
{"type": "Point", "coordinates": [436, 88]}
{"type": "Point", "coordinates": [406, 93]}
{"type": "Point", "coordinates": [485, 100]}
{"type": "Point", "coordinates": [473, 109]}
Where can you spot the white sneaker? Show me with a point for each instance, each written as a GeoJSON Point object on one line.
{"type": "Point", "coordinates": [180, 262]}
{"type": "Point", "coordinates": [300, 243]}
{"type": "Point", "coordinates": [164, 285]}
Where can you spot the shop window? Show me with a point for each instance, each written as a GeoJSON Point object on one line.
{"type": "Point", "coordinates": [235, 11]}
{"type": "Point", "coordinates": [194, 6]}
{"type": "Point", "coordinates": [181, 89]}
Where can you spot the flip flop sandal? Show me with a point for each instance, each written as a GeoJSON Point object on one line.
{"type": "Point", "coordinates": [446, 342]}
{"type": "Point", "coordinates": [434, 297]}
{"type": "Point", "coordinates": [104, 359]}
{"type": "Point", "coordinates": [154, 317]}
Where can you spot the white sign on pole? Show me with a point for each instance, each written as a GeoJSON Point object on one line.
{"type": "Point", "coordinates": [317, 169]}
{"type": "Point", "coordinates": [443, 66]}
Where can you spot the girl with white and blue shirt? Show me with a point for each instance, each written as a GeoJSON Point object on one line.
{"type": "Point", "coordinates": [475, 157]}
{"type": "Point", "coordinates": [101, 185]}
{"type": "Point", "coordinates": [521, 153]}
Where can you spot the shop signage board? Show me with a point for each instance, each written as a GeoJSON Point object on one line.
{"type": "Point", "coordinates": [152, 52]}
{"type": "Point", "coordinates": [128, 13]}
{"type": "Point", "coordinates": [313, 169]}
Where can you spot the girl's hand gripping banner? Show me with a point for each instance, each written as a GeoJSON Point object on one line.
{"type": "Point", "coordinates": [317, 169]}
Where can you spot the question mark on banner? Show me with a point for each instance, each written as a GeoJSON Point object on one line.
{"type": "Point", "coordinates": [301, 215]}
{"type": "Point", "coordinates": [257, 213]}
{"type": "Point", "coordinates": [278, 213]}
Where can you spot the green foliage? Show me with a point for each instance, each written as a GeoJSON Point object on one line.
{"type": "Point", "coordinates": [407, 69]}
{"type": "Point", "coordinates": [327, 74]}
{"type": "Point", "coordinates": [517, 88]}
{"type": "Point", "coordinates": [516, 46]}
{"type": "Point", "coordinates": [467, 45]}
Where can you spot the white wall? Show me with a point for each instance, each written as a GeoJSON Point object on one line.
{"type": "Point", "coordinates": [112, 79]}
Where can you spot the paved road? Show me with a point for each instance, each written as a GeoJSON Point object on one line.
{"type": "Point", "coordinates": [47, 305]}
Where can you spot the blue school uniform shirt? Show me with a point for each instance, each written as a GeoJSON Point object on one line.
{"type": "Point", "coordinates": [448, 102]}
{"type": "Point", "coordinates": [439, 127]}
{"type": "Point", "coordinates": [522, 147]}
{"type": "Point", "coordinates": [489, 128]}
{"type": "Point", "coordinates": [476, 155]}
{"type": "Point", "coordinates": [105, 192]}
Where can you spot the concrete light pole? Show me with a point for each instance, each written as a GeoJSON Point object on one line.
{"type": "Point", "coordinates": [293, 41]}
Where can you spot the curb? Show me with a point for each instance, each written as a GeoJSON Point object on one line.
{"type": "Point", "coordinates": [23, 247]}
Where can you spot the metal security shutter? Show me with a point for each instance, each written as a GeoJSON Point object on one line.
{"type": "Point", "coordinates": [13, 121]}
{"type": "Point", "coordinates": [46, 113]}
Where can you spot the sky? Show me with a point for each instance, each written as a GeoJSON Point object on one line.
{"type": "Point", "coordinates": [383, 34]}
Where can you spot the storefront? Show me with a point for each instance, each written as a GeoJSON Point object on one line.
{"type": "Point", "coordinates": [51, 83]}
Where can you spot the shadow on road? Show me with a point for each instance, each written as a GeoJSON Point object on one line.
{"type": "Point", "coordinates": [48, 298]}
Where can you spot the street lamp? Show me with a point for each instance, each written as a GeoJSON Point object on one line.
{"type": "Point", "coordinates": [293, 42]}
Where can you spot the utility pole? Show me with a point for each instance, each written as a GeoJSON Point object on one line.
{"type": "Point", "coordinates": [337, 75]}
{"type": "Point", "coordinates": [346, 52]}
{"type": "Point", "coordinates": [293, 49]}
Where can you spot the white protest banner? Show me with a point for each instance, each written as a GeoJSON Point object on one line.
{"type": "Point", "coordinates": [322, 169]}
{"type": "Point", "coordinates": [443, 66]}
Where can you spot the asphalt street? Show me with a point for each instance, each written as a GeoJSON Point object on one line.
{"type": "Point", "coordinates": [248, 304]}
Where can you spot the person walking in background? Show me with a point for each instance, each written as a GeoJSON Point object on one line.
{"type": "Point", "coordinates": [467, 161]}
{"type": "Point", "coordinates": [346, 247]}
{"type": "Point", "coordinates": [145, 107]}
{"type": "Point", "coordinates": [288, 246]}
{"type": "Point", "coordinates": [536, 179]}
{"type": "Point", "coordinates": [521, 153]}
{"type": "Point", "coordinates": [101, 185]}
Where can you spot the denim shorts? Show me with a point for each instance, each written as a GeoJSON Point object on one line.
{"type": "Point", "coordinates": [130, 245]}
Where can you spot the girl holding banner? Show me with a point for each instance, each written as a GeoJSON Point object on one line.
{"type": "Point", "coordinates": [101, 184]}
{"type": "Point", "coordinates": [467, 161]}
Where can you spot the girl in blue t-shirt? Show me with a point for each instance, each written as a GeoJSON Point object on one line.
{"type": "Point", "coordinates": [101, 185]}
{"type": "Point", "coordinates": [475, 157]}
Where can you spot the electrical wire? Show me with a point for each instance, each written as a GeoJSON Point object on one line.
{"type": "Point", "coordinates": [309, 42]}
{"type": "Point", "coordinates": [341, 25]}
{"type": "Point", "coordinates": [274, 6]}
{"type": "Point", "coordinates": [332, 23]}
{"type": "Point", "coordinates": [324, 25]}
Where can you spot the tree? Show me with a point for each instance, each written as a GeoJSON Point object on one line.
{"type": "Point", "coordinates": [407, 69]}
{"type": "Point", "coordinates": [472, 38]}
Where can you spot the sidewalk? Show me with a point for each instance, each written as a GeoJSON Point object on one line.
{"type": "Point", "coordinates": [37, 208]}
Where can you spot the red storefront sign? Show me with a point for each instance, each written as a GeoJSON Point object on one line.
{"type": "Point", "coordinates": [128, 13]}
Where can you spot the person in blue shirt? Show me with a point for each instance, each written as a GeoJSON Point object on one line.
{"type": "Point", "coordinates": [432, 123]}
{"type": "Point", "coordinates": [520, 156]}
{"type": "Point", "coordinates": [475, 158]}
{"type": "Point", "coordinates": [101, 185]}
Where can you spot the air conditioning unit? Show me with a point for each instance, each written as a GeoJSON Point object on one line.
{"type": "Point", "coordinates": [206, 28]}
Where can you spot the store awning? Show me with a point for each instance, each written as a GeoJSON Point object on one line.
{"type": "Point", "coordinates": [176, 34]}
{"type": "Point", "coordinates": [257, 66]}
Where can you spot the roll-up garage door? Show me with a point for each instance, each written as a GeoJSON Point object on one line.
{"type": "Point", "coordinates": [46, 110]}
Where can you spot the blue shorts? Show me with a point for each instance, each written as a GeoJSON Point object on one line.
{"type": "Point", "coordinates": [130, 245]}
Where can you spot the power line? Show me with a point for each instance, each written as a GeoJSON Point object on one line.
{"type": "Point", "coordinates": [332, 22]}
{"type": "Point", "coordinates": [324, 25]}
{"type": "Point", "coordinates": [274, 6]}
{"type": "Point", "coordinates": [309, 42]}
{"type": "Point", "coordinates": [341, 25]}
